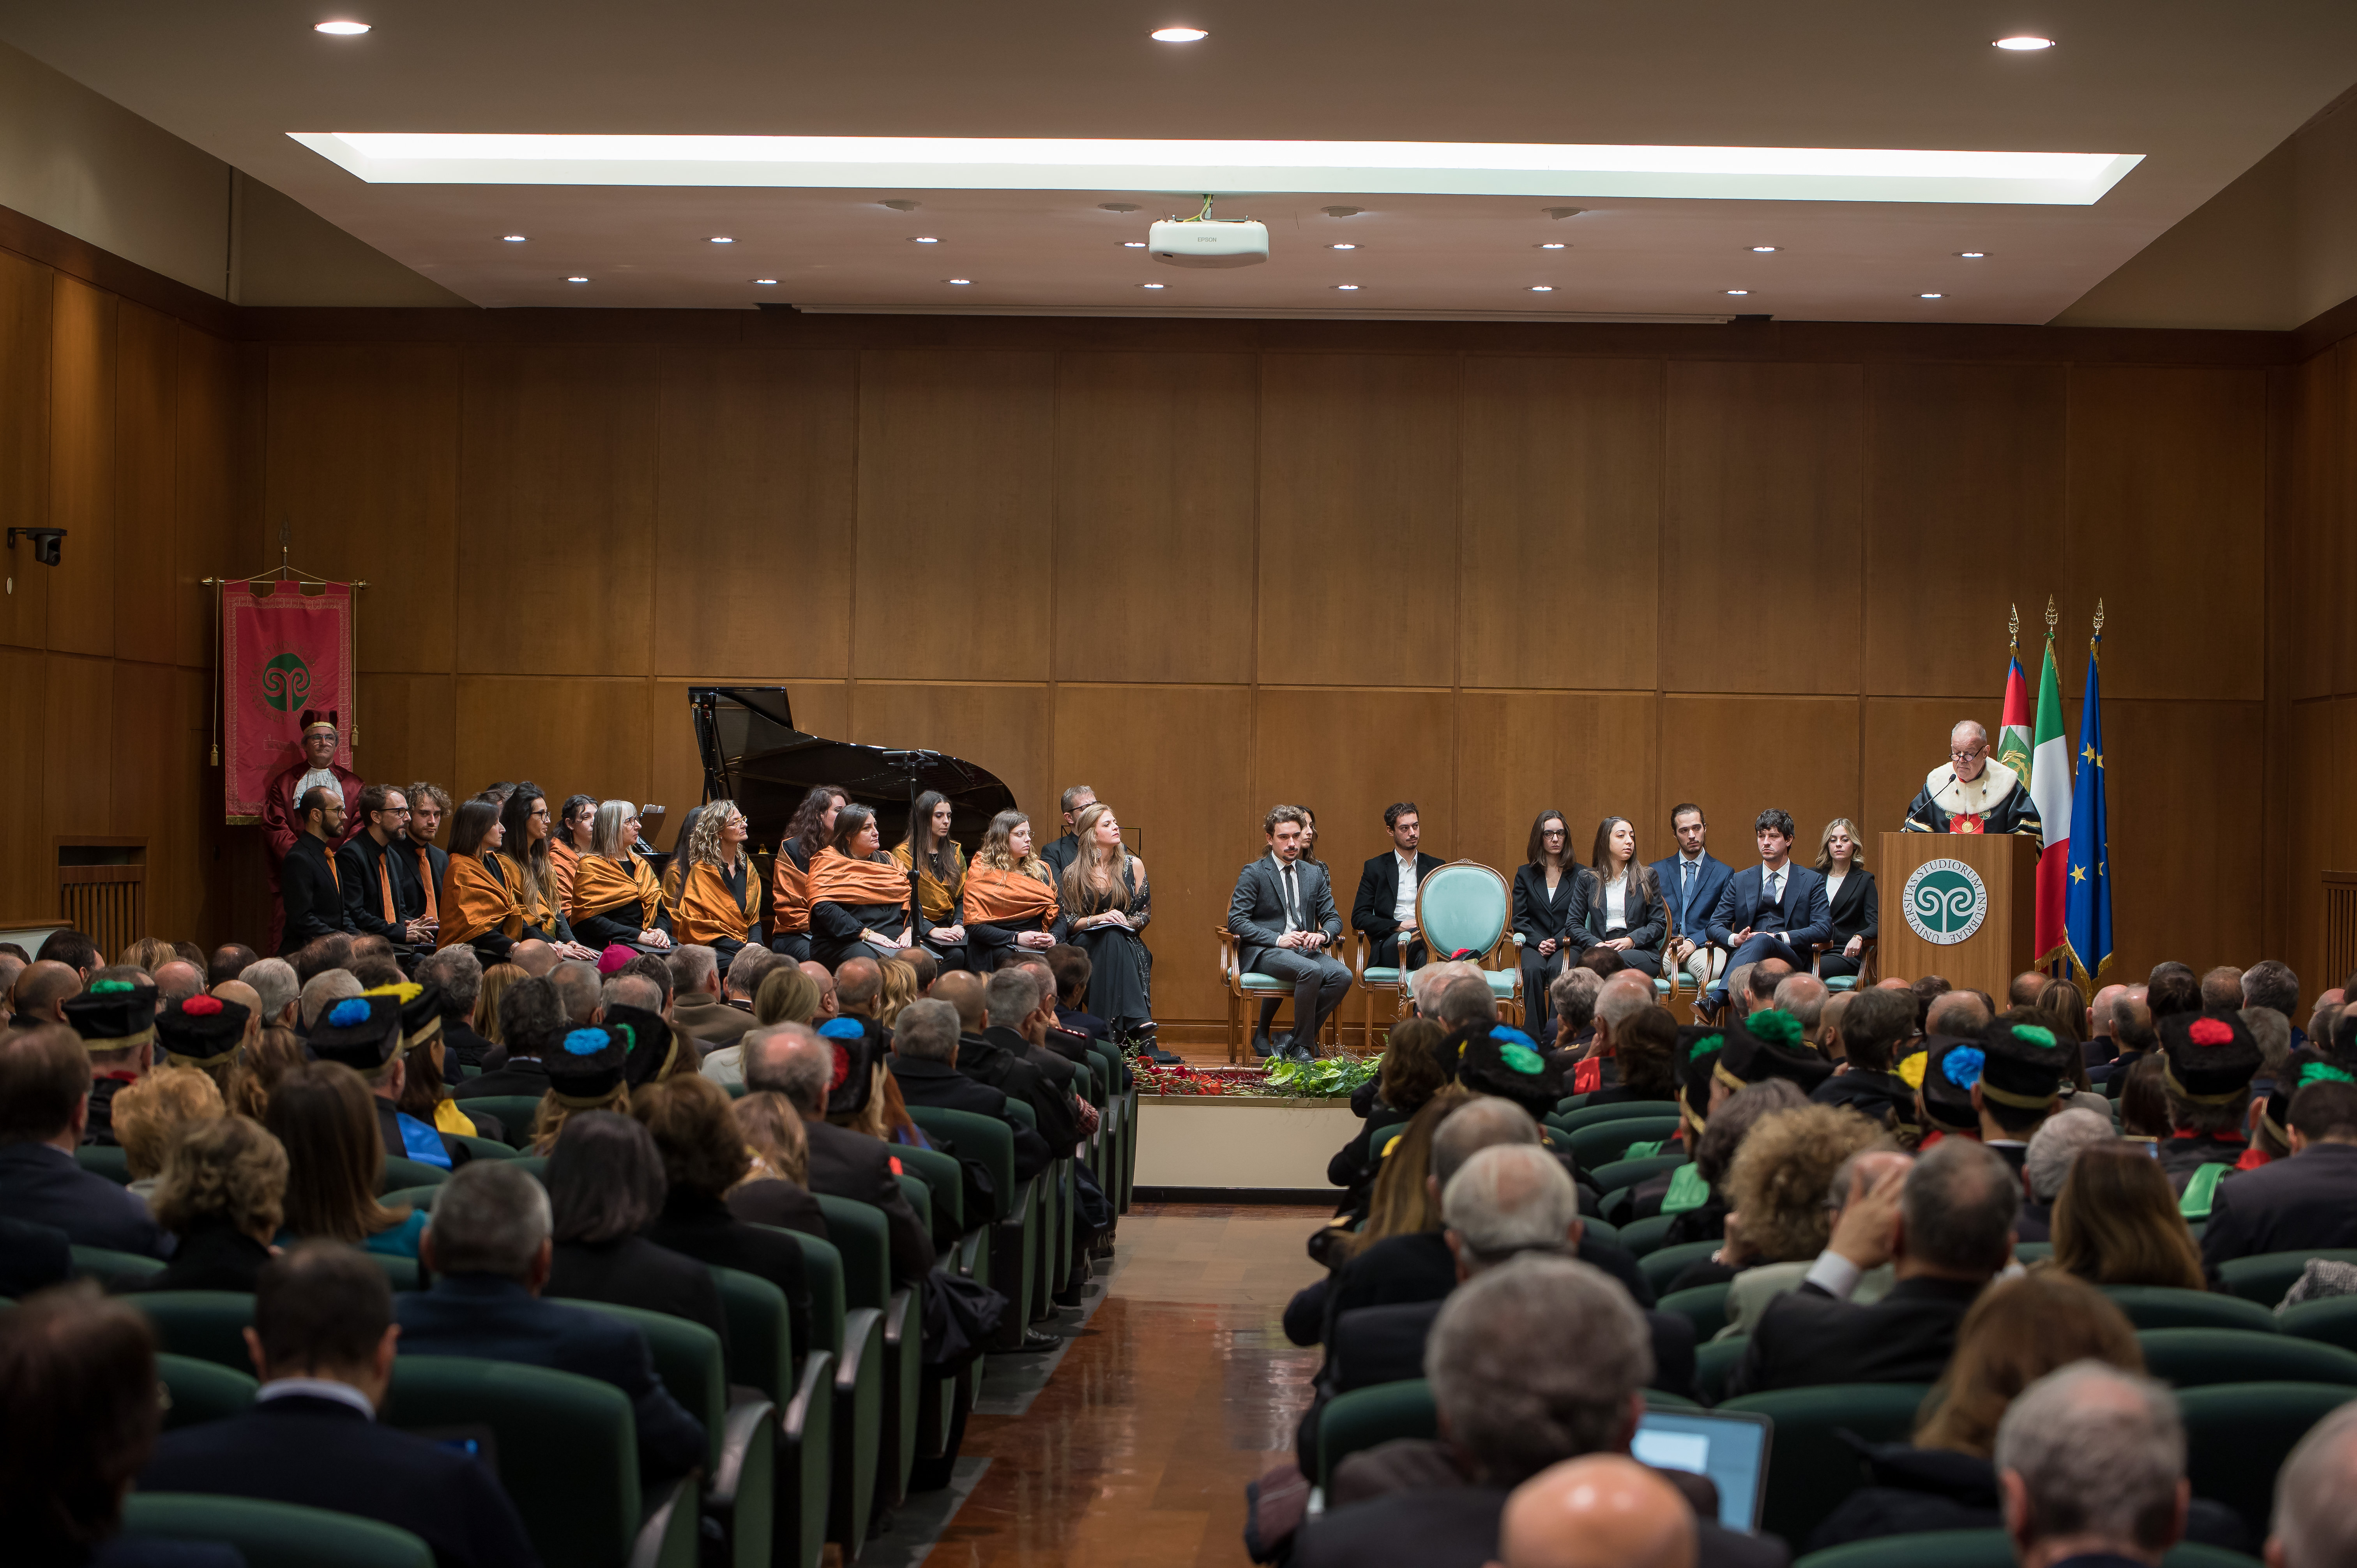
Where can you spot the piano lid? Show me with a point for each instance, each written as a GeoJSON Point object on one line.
{"type": "Point", "coordinates": [754, 755]}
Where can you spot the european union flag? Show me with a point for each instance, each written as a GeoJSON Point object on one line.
{"type": "Point", "coordinates": [2087, 904]}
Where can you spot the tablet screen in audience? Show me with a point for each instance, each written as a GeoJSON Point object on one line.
{"type": "Point", "coordinates": [1729, 1448]}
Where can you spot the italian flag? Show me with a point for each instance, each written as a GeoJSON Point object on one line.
{"type": "Point", "coordinates": [2050, 789]}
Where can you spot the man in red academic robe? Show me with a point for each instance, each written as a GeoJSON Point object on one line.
{"type": "Point", "coordinates": [281, 822]}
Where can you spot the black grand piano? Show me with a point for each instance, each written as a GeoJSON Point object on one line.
{"type": "Point", "coordinates": [754, 755]}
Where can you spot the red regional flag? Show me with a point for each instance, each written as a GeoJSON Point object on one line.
{"type": "Point", "coordinates": [283, 650]}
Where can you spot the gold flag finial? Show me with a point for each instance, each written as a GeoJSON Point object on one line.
{"type": "Point", "coordinates": [2051, 615]}
{"type": "Point", "coordinates": [2013, 624]}
{"type": "Point", "coordinates": [2099, 620]}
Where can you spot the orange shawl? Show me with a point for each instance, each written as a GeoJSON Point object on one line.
{"type": "Point", "coordinates": [940, 902]}
{"type": "Point", "coordinates": [541, 913]}
{"type": "Point", "coordinates": [789, 895]}
{"type": "Point", "coordinates": [1008, 897]}
{"type": "Point", "coordinates": [564, 865]}
{"type": "Point", "coordinates": [599, 884]}
{"type": "Point", "coordinates": [705, 909]}
{"type": "Point", "coordinates": [836, 878]}
{"type": "Point", "coordinates": [475, 902]}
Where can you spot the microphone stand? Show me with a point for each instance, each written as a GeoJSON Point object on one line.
{"type": "Point", "coordinates": [913, 764]}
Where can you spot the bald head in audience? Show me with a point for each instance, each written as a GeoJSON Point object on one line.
{"type": "Point", "coordinates": [1803, 996]}
{"type": "Point", "coordinates": [965, 990]}
{"type": "Point", "coordinates": [534, 957]}
{"type": "Point", "coordinates": [856, 985]}
{"type": "Point", "coordinates": [827, 1005]}
{"type": "Point", "coordinates": [42, 991]}
{"type": "Point", "coordinates": [245, 996]}
{"type": "Point", "coordinates": [1599, 1510]}
{"type": "Point", "coordinates": [177, 981]}
{"type": "Point", "coordinates": [1957, 1012]}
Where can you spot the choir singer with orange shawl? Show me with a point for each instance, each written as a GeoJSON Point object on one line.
{"type": "Point", "coordinates": [479, 906]}
{"type": "Point", "coordinates": [859, 898]}
{"type": "Point", "coordinates": [714, 901]}
{"type": "Point", "coordinates": [1010, 896]}
{"type": "Point", "coordinates": [615, 899]}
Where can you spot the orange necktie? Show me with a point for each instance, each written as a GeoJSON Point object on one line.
{"type": "Point", "coordinates": [333, 875]}
{"type": "Point", "coordinates": [426, 875]}
{"type": "Point", "coordinates": [384, 888]}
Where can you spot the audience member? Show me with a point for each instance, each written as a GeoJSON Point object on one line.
{"type": "Point", "coordinates": [1784, 1188]}
{"type": "Point", "coordinates": [44, 1094]}
{"type": "Point", "coordinates": [274, 1053]}
{"type": "Point", "coordinates": [273, 980]}
{"type": "Point", "coordinates": [2314, 1525]}
{"type": "Point", "coordinates": [1537, 1361]}
{"type": "Point", "coordinates": [115, 1017]}
{"type": "Point", "coordinates": [589, 1069]}
{"type": "Point", "coordinates": [794, 1062]}
{"type": "Point", "coordinates": [324, 1115]}
{"type": "Point", "coordinates": [204, 1034]}
{"type": "Point", "coordinates": [2090, 1465]}
{"type": "Point", "coordinates": [489, 1251]}
{"type": "Point", "coordinates": [79, 1415]}
{"type": "Point", "coordinates": [2208, 1060]}
{"type": "Point", "coordinates": [230, 962]}
{"type": "Point", "coordinates": [41, 991]}
{"type": "Point", "coordinates": [1945, 1224]}
{"type": "Point", "coordinates": [2172, 991]}
{"type": "Point", "coordinates": [530, 1021]}
{"type": "Point", "coordinates": [2143, 1101]}
{"type": "Point", "coordinates": [924, 1064]}
{"type": "Point", "coordinates": [1600, 1510]}
{"type": "Point", "coordinates": [2052, 1149]}
{"type": "Point", "coordinates": [1874, 1023]}
{"type": "Point", "coordinates": [2023, 1069]}
{"type": "Point", "coordinates": [718, 1013]}
{"type": "Point", "coordinates": [148, 1114]}
{"type": "Point", "coordinates": [605, 1186]}
{"type": "Point", "coordinates": [323, 991]}
{"type": "Point", "coordinates": [322, 1342]}
{"type": "Point", "coordinates": [777, 1192]}
{"type": "Point", "coordinates": [2307, 1202]}
{"type": "Point", "coordinates": [223, 1196]}
{"type": "Point", "coordinates": [2116, 1222]}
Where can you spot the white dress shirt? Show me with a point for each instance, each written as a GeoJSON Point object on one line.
{"type": "Point", "coordinates": [1404, 907]}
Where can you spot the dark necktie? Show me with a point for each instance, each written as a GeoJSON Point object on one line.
{"type": "Point", "coordinates": [1292, 901]}
{"type": "Point", "coordinates": [1685, 886]}
{"type": "Point", "coordinates": [1775, 889]}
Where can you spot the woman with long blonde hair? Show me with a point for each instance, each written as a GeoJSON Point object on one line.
{"type": "Point", "coordinates": [1011, 893]}
{"type": "Point", "coordinates": [1107, 903]}
{"type": "Point", "coordinates": [1849, 898]}
{"type": "Point", "coordinates": [900, 989]}
{"type": "Point", "coordinates": [714, 897]}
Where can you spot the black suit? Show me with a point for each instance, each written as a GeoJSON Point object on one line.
{"type": "Point", "coordinates": [1645, 920]}
{"type": "Point", "coordinates": [521, 1074]}
{"type": "Point", "coordinates": [1857, 912]}
{"type": "Point", "coordinates": [366, 867]}
{"type": "Point", "coordinates": [944, 1088]}
{"type": "Point", "coordinates": [845, 1164]}
{"type": "Point", "coordinates": [213, 1255]}
{"type": "Point", "coordinates": [1059, 855]}
{"type": "Point", "coordinates": [43, 1186]}
{"type": "Point", "coordinates": [322, 1454]}
{"type": "Point", "coordinates": [462, 1045]}
{"type": "Point", "coordinates": [634, 1272]}
{"type": "Point", "coordinates": [1874, 1095]}
{"type": "Point", "coordinates": [32, 1256]}
{"type": "Point", "coordinates": [1419, 1266]}
{"type": "Point", "coordinates": [2301, 1204]}
{"type": "Point", "coordinates": [496, 1319]}
{"type": "Point", "coordinates": [1457, 1527]}
{"type": "Point", "coordinates": [1374, 910]}
{"type": "Point", "coordinates": [698, 1226]}
{"type": "Point", "coordinates": [1808, 1337]}
{"type": "Point", "coordinates": [986, 1058]}
{"type": "Point", "coordinates": [1539, 916]}
{"type": "Point", "coordinates": [308, 891]}
{"type": "Point", "coordinates": [779, 1203]}
{"type": "Point", "coordinates": [1787, 928]}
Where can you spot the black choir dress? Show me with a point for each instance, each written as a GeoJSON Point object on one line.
{"type": "Point", "coordinates": [1122, 970]}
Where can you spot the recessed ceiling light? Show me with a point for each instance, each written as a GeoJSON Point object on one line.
{"type": "Point", "coordinates": [1973, 255]}
{"type": "Point", "coordinates": [1763, 250]}
{"type": "Point", "coordinates": [1133, 244]}
{"type": "Point", "coordinates": [1738, 291]}
{"type": "Point", "coordinates": [765, 282]}
{"type": "Point", "coordinates": [513, 239]}
{"type": "Point", "coordinates": [923, 239]}
{"type": "Point", "coordinates": [1347, 287]}
{"type": "Point", "coordinates": [722, 240]}
{"type": "Point", "coordinates": [1342, 247]}
{"type": "Point", "coordinates": [1542, 288]}
{"type": "Point", "coordinates": [1552, 245]}
{"type": "Point", "coordinates": [576, 280]}
{"type": "Point", "coordinates": [960, 282]}
{"type": "Point", "coordinates": [1932, 296]}
{"type": "Point", "coordinates": [1180, 34]}
{"type": "Point", "coordinates": [341, 29]}
{"type": "Point", "coordinates": [1153, 285]}
{"type": "Point", "coordinates": [2024, 43]}
{"type": "Point", "coordinates": [1432, 168]}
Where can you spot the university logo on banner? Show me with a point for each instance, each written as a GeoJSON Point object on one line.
{"type": "Point", "coordinates": [1945, 902]}
{"type": "Point", "coordinates": [283, 650]}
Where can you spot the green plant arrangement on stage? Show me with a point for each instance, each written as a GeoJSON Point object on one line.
{"type": "Point", "coordinates": [1328, 1078]}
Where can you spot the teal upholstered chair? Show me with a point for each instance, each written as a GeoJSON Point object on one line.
{"type": "Point", "coordinates": [1466, 907]}
{"type": "Point", "coordinates": [1246, 989]}
{"type": "Point", "coordinates": [1373, 978]}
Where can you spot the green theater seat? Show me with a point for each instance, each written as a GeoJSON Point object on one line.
{"type": "Point", "coordinates": [273, 1535]}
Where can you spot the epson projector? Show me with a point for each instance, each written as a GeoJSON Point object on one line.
{"type": "Point", "coordinates": [1207, 242]}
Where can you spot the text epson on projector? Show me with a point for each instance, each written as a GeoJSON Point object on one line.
{"type": "Point", "coordinates": [1207, 241]}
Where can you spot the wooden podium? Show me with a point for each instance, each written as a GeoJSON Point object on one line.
{"type": "Point", "coordinates": [1999, 948]}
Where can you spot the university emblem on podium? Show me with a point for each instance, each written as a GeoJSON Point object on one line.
{"type": "Point", "coordinates": [1945, 902]}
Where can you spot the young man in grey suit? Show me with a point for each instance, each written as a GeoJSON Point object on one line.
{"type": "Point", "coordinates": [1284, 917]}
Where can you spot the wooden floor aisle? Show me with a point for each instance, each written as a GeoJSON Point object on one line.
{"type": "Point", "coordinates": [1182, 1389]}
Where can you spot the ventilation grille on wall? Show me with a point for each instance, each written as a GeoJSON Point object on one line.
{"type": "Point", "coordinates": [102, 890]}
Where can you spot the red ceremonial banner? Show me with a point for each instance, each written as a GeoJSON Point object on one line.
{"type": "Point", "coordinates": [283, 650]}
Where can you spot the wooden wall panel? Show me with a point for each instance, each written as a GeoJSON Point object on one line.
{"type": "Point", "coordinates": [1347, 754]}
{"type": "Point", "coordinates": [203, 538]}
{"type": "Point", "coordinates": [957, 493]}
{"type": "Point", "coordinates": [1760, 533]}
{"type": "Point", "coordinates": [2318, 543]}
{"type": "Point", "coordinates": [408, 732]}
{"type": "Point", "coordinates": [1736, 757]}
{"type": "Point", "coordinates": [1357, 520]}
{"type": "Point", "coordinates": [1903, 739]}
{"type": "Point", "coordinates": [79, 750]}
{"type": "Point", "coordinates": [756, 514]}
{"type": "Point", "coordinates": [675, 772]}
{"type": "Point", "coordinates": [1155, 505]}
{"type": "Point", "coordinates": [1964, 499]}
{"type": "Point", "coordinates": [197, 875]}
{"type": "Point", "coordinates": [2175, 893]}
{"type": "Point", "coordinates": [1178, 808]}
{"type": "Point", "coordinates": [1562, 505]}
{"type": "Point", "coordinates": [556, 540]}
{"type": "Point", "coordinates": [2169, 494]}
{"type": "Point", "coordinates": [1589, 756]}
{"type": "Point", "coordinates": [145, 777]}
{"type": "Point", "coordinates": [81, 469]}
{"type": "Point", "coordinates": [26, 889]}
{"type": "Point", "coordinates": [1006, 729]}
{"type": "Point", "coordinates": [2338, 516]}
{"type": "Point", "coordinates": [363, 473]}
{"type": "Point", "coordinates": [576, 734]}
{"type": "Point", "coordinates": [25, 355]}
{"type": "Point", "coordinates": [146, 479]}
